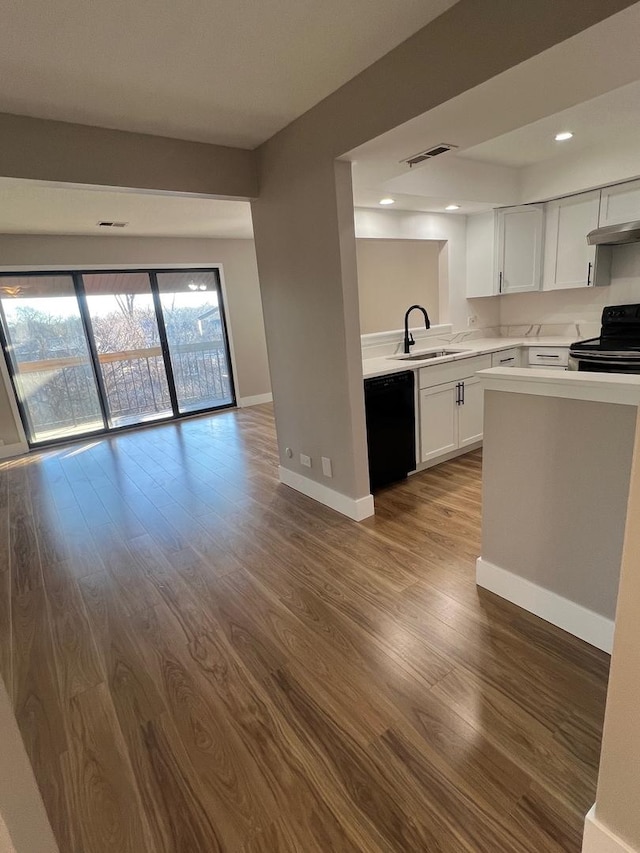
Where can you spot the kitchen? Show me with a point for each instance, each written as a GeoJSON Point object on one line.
{"type": "Point", "coordinates": [509, 284]}
{"type": "Point", "coordinates": [518, 279]}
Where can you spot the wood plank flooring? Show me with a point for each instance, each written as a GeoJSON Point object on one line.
{"type": "Point", "coordinates": [201, 659]}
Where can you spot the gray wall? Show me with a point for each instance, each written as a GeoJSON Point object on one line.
{"type": "Point", "coordinates": [240, 273]}
{"type": "Point", "coordinates": [45, 150]}
{"type": "Point", "coordinates": [555, 490]}
{"type": "Point", "coordinates": [394, 274]}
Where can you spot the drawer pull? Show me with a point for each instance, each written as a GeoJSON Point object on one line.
{"type": "Point", "coordinates": [505, 360]}
{"type": "Point", "coordinates": [539, 355]}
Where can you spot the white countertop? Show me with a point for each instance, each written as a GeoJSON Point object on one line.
{"type": "Point", "coordinates": [620, 388]}
{"type": "Point", "coordinates": [382, 365]}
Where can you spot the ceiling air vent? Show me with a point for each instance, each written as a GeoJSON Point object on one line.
{"type": "Point", "coordinates": [113, 224]}
{"type": "Point", "coordinates": [442, 148]}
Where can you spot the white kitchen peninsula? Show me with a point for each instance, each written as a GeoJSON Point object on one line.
{"type": "Point", "coordinates": [556, 467]}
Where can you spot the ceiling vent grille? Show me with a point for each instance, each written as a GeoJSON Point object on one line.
{"type": "Point", "coordinates": [113, 224]}
{"type": "Point", "coordinates": [429, 154]}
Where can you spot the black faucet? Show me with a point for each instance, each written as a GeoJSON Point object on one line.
{"type": "Point", "coordinates": [408, 337]}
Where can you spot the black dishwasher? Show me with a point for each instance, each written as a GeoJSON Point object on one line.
{"type": "Point", "coordinates": [391, 417]}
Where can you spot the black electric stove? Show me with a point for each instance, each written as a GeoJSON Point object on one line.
{"type": "Point", "coordinates": [617, 350]}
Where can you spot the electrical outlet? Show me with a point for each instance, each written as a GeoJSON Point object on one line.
{"type": "Point", "coordinates": [305, 460]}
{"type": "Point", "coordinates": [472, 320]}
{"type": "Point", "coordinates": [326, 467]}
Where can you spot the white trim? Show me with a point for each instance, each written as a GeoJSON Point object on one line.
{"type": "Point", "coordinates": [17, 449]}
{"type": "Point", "coordinates": [256, 400]}
{"type": "Point", "coordinates": [356, 508]}
{"type": "Point", "coordinates": [568, 615]}
{"type": "Point", "coordinates": [598, 838]}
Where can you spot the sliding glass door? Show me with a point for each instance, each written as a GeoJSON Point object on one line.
{"type": "Point", "coordinates": [127, 341]}
{"type": "Point", "coordinates": [96, 351]}
{"type": "Point", "coordinates": [196, 338]}
{"type": "Point", "coordinates": [49, 358]}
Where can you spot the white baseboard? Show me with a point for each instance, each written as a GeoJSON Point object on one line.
{"type": "Point", "coordinates": [256, 400]}
{"type": "Point", "coordinates": [574, 618]}
{"type": "Point", "coordinates": [17, 449]}
{"type": "Point", "coordinates": [599, 839]}
{"type": "Point", "coordinates": [356, 508]}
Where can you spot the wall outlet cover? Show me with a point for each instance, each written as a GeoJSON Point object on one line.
{"type": "Point", "coordinates": [305, 460]}
{"type": "Point", "coordinates": [326, 467]}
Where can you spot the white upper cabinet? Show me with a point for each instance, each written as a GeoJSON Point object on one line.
{"type": "Point", "coordinates": [620, 204]}
{"type": "Point", "coordinates": [519, 248]}
{"type": "Point", "coordinates": [481, 279]}
{"type": "Point", "coordinates": [568, 260]}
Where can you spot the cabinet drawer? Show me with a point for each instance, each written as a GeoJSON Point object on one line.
{"type": "Point", "coordinates": [453, 371]}
{"type": "Point", "coordinates": [548, 356]}
{"type": "Point", "coordinates": [506, 358]}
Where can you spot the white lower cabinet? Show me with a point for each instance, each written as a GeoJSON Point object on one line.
{"type": "Point", "coordinates": [470, 412]}
{"type": "Point", "coordinates": [438, 421]}
{"type": "Point", "coordinates": [451, 417]}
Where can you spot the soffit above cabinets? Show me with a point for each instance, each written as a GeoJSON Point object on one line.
{"type": "Point", "coordinates": [505, 129]}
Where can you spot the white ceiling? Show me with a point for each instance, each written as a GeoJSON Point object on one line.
{"type": "Point", "coordinates": [232, 73]}
{"type": "Point", "coordinates": [588, 84]}
{"type": "Point", "coordinates": [33, 207]}
{"type": "Point", "coordinates": [601, 121]}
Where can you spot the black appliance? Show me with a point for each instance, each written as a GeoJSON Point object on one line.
{"type": "Point", "coordinates": [617, 350]}
{"type": "Point", "coordinates": [391, 427]}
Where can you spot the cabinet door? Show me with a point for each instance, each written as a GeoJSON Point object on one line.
{"type": "Point", "coordinates": [519, 248]}
{"type": "Point", "coordinates": [471, 413]}
{"type": "Point", "coordinates": [568, 260]}
{"type": "Point", "coordinates": [481, 276]}
{"type": "Point", "coordinates": [620, 204]}
{"type": "Point", "coordinates": [438, 420]}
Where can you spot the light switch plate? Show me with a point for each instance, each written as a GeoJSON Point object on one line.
{"type": "Point", "coordinates": [305, 460]}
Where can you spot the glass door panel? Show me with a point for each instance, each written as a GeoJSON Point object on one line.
{"type": "Point", "coordinates": [196, 336]}
{"type": "Point", "coordinates": [49, 357]}
{"type": "Point", "coordinates": [127, 339]}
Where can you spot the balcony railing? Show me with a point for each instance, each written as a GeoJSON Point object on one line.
{"type": "Point", "coordinates": [60, 393]}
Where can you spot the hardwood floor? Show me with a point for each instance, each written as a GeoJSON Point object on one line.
{"type": "Point", "coordinates": [202, 660]}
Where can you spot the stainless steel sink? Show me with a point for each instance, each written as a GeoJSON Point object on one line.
{"type": "Point", "coordinates": [428, 354]}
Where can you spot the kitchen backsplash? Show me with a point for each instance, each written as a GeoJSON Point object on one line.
{"type": "Point", "coordinates": [381, 344]}
{"type": "Point", "coordinates": [579, 331]}
{"type": "Point", "coordinates": [579, 308]}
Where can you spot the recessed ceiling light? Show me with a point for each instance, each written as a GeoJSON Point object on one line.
{"type": "Point", "coordinates": [452, 207]}
{"type": "Point", "coordinates": [387, 201]}
{"type": "Point", "coordinates": [561, 137]}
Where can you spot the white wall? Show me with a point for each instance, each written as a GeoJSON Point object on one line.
{"type": "Point", "coordinates": [581, 305]}
{"type": "Point", "coordinates": [238, 261]}
{"type": "Point", "coordinates": [447, 228]}
{"type": "Point", "coordinates": [582, 170]}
